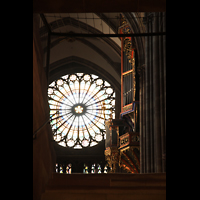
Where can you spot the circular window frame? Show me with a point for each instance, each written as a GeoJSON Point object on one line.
{"type": "Point", "coordinates": [97, 136]}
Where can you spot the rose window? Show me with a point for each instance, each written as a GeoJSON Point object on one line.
{"type": "Point", "coordinates": [79, 105]}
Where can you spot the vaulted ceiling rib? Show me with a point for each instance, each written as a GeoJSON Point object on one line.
{"type": "Point", "coordinates": [104, 52]}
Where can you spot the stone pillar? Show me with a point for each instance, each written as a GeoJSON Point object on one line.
{"type": "Point", "coordinates": [64, 168]}
{"type": "Point", "coordinates": [151, 129]}
{"type": "Point", "coordinates": [164, 61]}
{"type": "Point", "coordinates": [161, 83]}
{"type": "Point", "coordinates": [147, 89]}
{"type": "Point", "coordinates": [153, 98]}
{"type": "Point", "coordinates": [143, 122]}
{"type": "Point", "coordinates": [156, 98]}
{"type": "Point", "coordinates": [89, 168]}
{"type": "Point", "coordinates": [141, 107]}
{"type": "Point", "coordinates": [102, 167]}
{"type": "Point", "coordinates": [163, 90]}
{"type": "Point", "coordinates": [149, 96]}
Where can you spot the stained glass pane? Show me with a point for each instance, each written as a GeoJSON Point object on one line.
{"type": "Point", "coordinates": [79, 104]}
{"type": "Point", "coordinates": [69, 169]}
{"type": "Point", "coordinates": [99, 169]}
{"type": "Point", "coordinates": [99, 82]}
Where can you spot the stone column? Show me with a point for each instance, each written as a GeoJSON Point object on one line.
{"type": "Point", "coordinates": [89, 168]}
{"type": "Point", "coordinates": [102, 167]}
{"type": "Point", "coordinates": [151, 129]}
{"type": "Point", "coordinates": [149, 157]}
{"type": "Point", "coordinates": [141, 94]}
{"type": "Point", "coordinates": [96, 168]}
{"type": "Point", "coordinates": [64, 168]}
{"type": "Point", "coordinates": [156, 98]}
{"type": "Point", "coordinates": [163, 88]}
{"type": "Point", "coordinates": [164, 63]}
{"type": "Point", "coordinates": [164, 71]}
{"type": "Point", "coordinates": [147, 97]}
{"type": "Point", "coordinates": [143, 122]}
{"type": "Point", "coordinates": [153, 98]}
{"type": "Point", "coordinates": [161, 83]}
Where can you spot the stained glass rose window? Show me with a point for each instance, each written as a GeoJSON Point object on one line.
{"type": "Point", "coordinates": [79, 104]}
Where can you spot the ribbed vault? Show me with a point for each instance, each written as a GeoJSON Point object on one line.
{"type": "Point", "coordinates": [104, 53]}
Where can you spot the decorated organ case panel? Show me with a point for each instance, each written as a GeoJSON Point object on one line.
{"type": "Point", "coordinates": [122, 146]}
{"type": "Point", "coordinates": [129, 145]}
{"type": "Point", "coordinates": [129, 94]}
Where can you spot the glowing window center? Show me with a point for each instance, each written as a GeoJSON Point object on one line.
{"type": "Point", "coordinates": [78, 109]}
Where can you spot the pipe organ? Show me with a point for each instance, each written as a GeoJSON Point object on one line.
{"type": "Point", "coordinates": [128, 71]}
{"type": "Point", "coordinates": [123, 154]}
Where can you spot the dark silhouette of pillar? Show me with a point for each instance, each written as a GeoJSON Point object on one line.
{"type": "Point", "coordinates": [156, 98]}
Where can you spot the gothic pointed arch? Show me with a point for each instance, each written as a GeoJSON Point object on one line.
{"type": "Point", "coordinates": [74, 64]}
